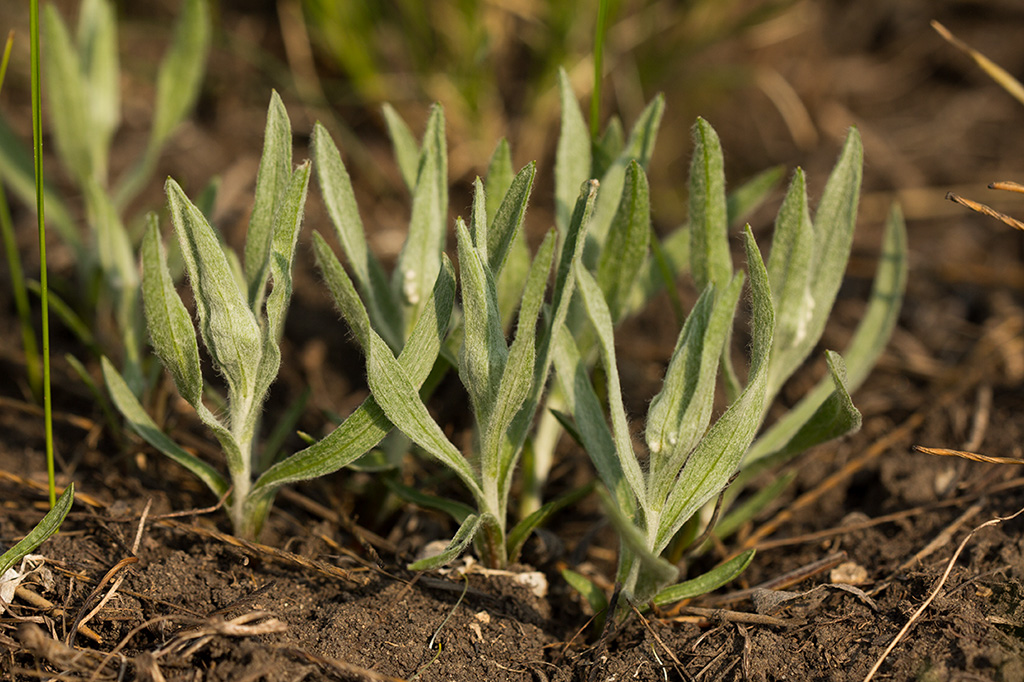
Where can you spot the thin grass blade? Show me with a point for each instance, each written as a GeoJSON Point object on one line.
{"type": "Point", "coordinates": [708, 582]}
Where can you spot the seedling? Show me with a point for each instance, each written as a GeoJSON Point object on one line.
{"type": "Point", "coordinates": [689, 464]}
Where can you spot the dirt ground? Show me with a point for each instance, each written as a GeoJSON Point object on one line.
{"type": "Point", "coordinates": [325, 596]}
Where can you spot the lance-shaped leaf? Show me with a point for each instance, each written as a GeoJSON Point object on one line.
{"type": "Point", "coordinates": [478, 223]}
{"type": "Point", "coordinates": [68, 97]}
{"type": "Point", "coordinates": [789, 271]}
{"type": "Point", "coordinates": [508, 220]}
{"type": "Point", "coordinates": [639, 148]}
{"type": "Point", "coordinates": [572, 156]}
{"type": "Point", "coordinates": [407, 151]}
{"type": "Point", "coordinates": [708, 582]}
{"type": "Point", "coordinates": [272, 180]}
{"type": "Point", "coordinates": [177, 89]}
{"type": "Point", "coordinates": [600, 318]}
{"type": "Point", "coordinates": [399, 397]}
{"type": "Point", "coordinates": [170, 328]}
{"type": "Point", "coordinates": [680, 413]}
{"type": "Point", "coordinates": [141, 424]}
{"type": "Point", "coordinates": [365, 427]}
{"type": "Point", "coordinates": [625, 248]}
{"type": "Point", "coordinates": [709, 239]}
{"type": "Point", "coordinates": [42, 531]}
{"type": "Point", "coordinates": [340, 201]}
{"type": "Point", "coordinates": [226, 323]}
{"type": "Point", "coordinates": [517, 378]}
{"type": "Point", "coordinates": [484, 353]}
{"type": "Point", "coordinates": [715, 459]}
{"type": "Point", "coordinates": [467, 531]}
{"type": "Point", "coordinates": [343, 291]}
{"type": "Point", "coordinates": [420, 258]}
{"type": "Point", "coordinates": [867, 343]}
{"type": "Point", "coordinates": [498, 179]}
{"type": "Point", "coordinates": [507, 251]}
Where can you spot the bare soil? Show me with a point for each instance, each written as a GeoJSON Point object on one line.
{"type": "Point", "coordinates": [325, 596]}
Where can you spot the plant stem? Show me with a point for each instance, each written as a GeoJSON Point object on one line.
{"type": "Point", "coordinates": [37, 139]}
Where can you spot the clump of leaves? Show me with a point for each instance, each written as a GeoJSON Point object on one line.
{"type": "Point", "coordinates": [690, 461]}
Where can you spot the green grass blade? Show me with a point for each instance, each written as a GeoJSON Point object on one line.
{"type": "Point", "coordinates": [710, 581]}
{"type": "Point", "coordinates": [594, 595]}
{"type": "Point", "coordinates": [75, 324]}
{"type": "Point", "coordinates": [573, 155]}
{"type": "Point", "coordinates": [140, 422]}
{"type": "Point", "coordinates": [518, 535]}
{"type": "Point", "coordinates": [42, 531]}
{"type": "Point", "coordinates": [19, 291]}
{"type": "Point", "coordinates": [457, 510]}
{"type": "Point", "coordinates": [625, 249]}
{"type": "Point", "coordinates": [407, 151]}
{"type": "Point", "coordinates": [719, 453]}
{"type": "Point", "coordinates": [272, 181]}
{"type": "Point", "coordinates": [420, 257]}
{"type": "Point", "coordinates": [467, 531]}
{"type": "Point", "coordinates": [177, 89]}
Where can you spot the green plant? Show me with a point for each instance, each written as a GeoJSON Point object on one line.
{"type": "Point", "coordinates": [688, 463]}
{"type": "Point", "coordinates": [43, 530]}
{"type": "Point", "coordinates": [83, 87]}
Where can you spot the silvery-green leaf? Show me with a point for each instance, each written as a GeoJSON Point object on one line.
{"type": "Point", "coordinates": [399, 397]}
{"type": "Point", "coordinates": [499, 178]}
{"type": "Point", "coordinates": [226, 324]}
{"type": "Point", "coordinates": [596, 437]}
{"type": "Point", "coordinates": [478, 223]}
{"type": "Point", "coordinates": [97, 44]}
{"type": "Point", "coordinates": [642, 571]}
{"type": "Point", "coordinates": [867, 344]}
{"type": "Point", "coordinates": [517, 379]}
{"type": "Point", "coordinates": [680, 413]}
{"type": "Point", "coordinates": [719, 453]}
{"type": "Point", "coordinates": [46, 527]}
{"type": "Point", "coordinates": [744, 199]}
{"type": "Point", "coordinates": [68, 98]}
{"type": "Point", "coordinates": [639, 148]}
{"type": "Point", "coordinates": [709, 239]}
{"type": "Point", "coordinates": [484, 353]}
{"type": "Point", "coordinates": [140, 422]}
{"type": "Point", "coordinates": [508, 220]}
{"type": "Point", "coordinates": [340, 201]}
{"type": "Point", "coordinates": [420, 257]}
{"type": "Point", "coordinates": [789, 270]}
{"type": "Point", "coordinates": [467, 531]}
{"type": "Point", "coordinates": [343, 292]}
{"type": "Point", "coordinates": [177, 89]}
{"type": "Point", "coordinates": [600, 318]}
{"type": "Point", "coordinates": [407, 151]}
{"type": "Point", "coordinates": [708, 582]}
{"type": "Point", "coordinates": [625, 248]}
{"type": "Point", "coordinates": [170, 327]}
{"type": "Point", "coordinates": [287, 223]}
{"type": "Point", "coordinates": [365, 427]}
{"type": "Point", "coordinates": [573, 155]}
{"type": "Point", "coordinates": [272, 179]}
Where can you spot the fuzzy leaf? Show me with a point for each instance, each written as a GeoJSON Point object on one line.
{"type": "Point", "coordinates": [709, 239]}
{"type": "Point", "coordinates": [368, 425]}
{"type": "Point", "coordinates": [420, 258]}
{"type": "Point", "coordinates": [68, 98]}
{"type": "Point", "coordinates": [170, 327]}
{"type": "Point", "coordinates": [340, 201]}
{"type": "Point", "coordinates": [508, 220]}
{"type": "Point", "coordinates": [227, 325]}
{"type": "Point", "coordinates": [467, 531]}
{"type": "Point", "coordinates": [343, 292]}
{"type": "Point", "coordinates": [640, 567]}
{"type": "Point", "coordinates": [709, 582]}
{"type": "Point", "coordinates": [272, 180]}
{"type": "Point", "coordinates": [407, 151]}
{"type": "Point", "coordinates": [46, 527]}
{"type": "Point", "coordinates": [499, 179]}
{"type": "Point", "coordinates": [625, 249]}
{"type": "Point", "coordinates": [141, 424]}
{"type": "Point", "coordinates": [97, 44]}
{"type": "Point", "coordinates": [719, 453]}
{"type": "Point", "coordinates": [573, 155]}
